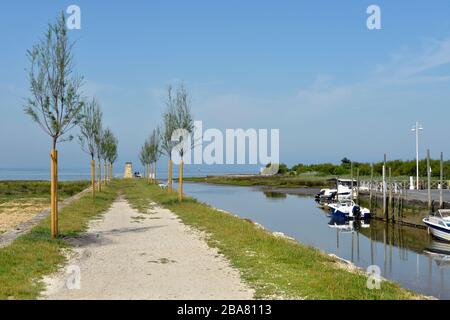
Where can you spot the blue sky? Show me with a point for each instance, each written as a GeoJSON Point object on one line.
{"type": "Point", "coordinates": [309, 68]}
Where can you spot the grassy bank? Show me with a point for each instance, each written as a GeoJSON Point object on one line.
{"type": "Point", "coordinates": [282, 181]}
{"type": "Point", "coordinates": [274, 267]}
{"type": "Point", "coordinates": [34, 255]}
{"type": "Point", "coordinates": [39, 189]}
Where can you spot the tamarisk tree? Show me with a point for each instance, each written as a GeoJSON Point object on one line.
{"type": "Point", "coordinates": [107, 145]}
{"type": "Point", "coordinates": [154, 150]}
{"type": "Point", "coordinates": [55, 103]}
{"type": "Point", "coordinates": [184, 124]}
{"type": "Point", "coordinates": [169, 127]}
{"type": "Point", "coordinates": [99, 152]}
{"type": "Point", "coordinates": [144, 158]}
{"type": "Point", "coordinates": [111, 154]}
{"type": "Point", "coordinates": [89, 130]}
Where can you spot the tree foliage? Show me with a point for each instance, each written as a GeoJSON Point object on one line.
{"type": "Point", "coordinates": [108, 146]}
{"type": "Point", "coordinates": [55, 103]}
{"type": "Point", "coordinates": [151, 150]}
{"type": "Point", "coordinates": [90, 127]}
{"type": "Point", "coordinates": [177, 119]}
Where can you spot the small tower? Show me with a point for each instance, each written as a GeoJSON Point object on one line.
{"type": "Point", "coordinates": [128, 171]}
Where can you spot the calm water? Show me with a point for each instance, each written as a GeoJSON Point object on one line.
{"type": "Point", "coordinates": [402, 253]}
{"type": "Point", "coordinates": [85, 173]}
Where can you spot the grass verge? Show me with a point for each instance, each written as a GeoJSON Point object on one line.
{"type": "Point", "coordinates": [36, 254]}
{"type": "Point", "coordinates": [39, 189]}
{"type": "Point", "coordinates": [279, 181]}
{"type": "Point", "coordinates": [274, 267]}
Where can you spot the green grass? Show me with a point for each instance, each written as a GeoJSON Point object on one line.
{"type": "Point", "coordinates": [39, 189]}
{"type": "Point", "coordinates": [34, 255]}
{"type": "Point", "coordinates": [274, 267]}
{"type": "Point", "coordinates": [279, 181]}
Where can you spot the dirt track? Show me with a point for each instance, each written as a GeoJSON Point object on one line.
{"type": "Point", "coordinates": [128, 255]}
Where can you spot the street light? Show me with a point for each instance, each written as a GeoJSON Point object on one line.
{"type": "Point", "coordinates": [417, 128]}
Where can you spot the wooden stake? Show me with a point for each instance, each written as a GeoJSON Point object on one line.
{"type": "Point", "coordinates": [371, 186]}
{"type": "Point", "coordinates": [104, 173]}
{"type": "Point", "coordinates": [429, 180]}
{"type": "Point", "coordinates": [99, 176]}
{"type": "Point", "coordinates": [54, 194]}
{"type": "Point", "coordinates": [384, 190]}
{"type": "Point", "coordinates": [169, 182]}
{"type": "Point", "coordinates": [441, 191]}
{"type": "Point", "coordinates": [390, 204]}
{"type": "Point", "coordinates": [180, 195]}
{"type": "Point", "coordinates": [351, 183]}
{"type": "Point", "coordinates": [93, 177]}
{"type": "Point", "coordinates": [357, 184]}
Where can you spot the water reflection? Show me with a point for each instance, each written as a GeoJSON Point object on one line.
{"type": "Point", "coordinates": [406, 255]}
{"type": "Point", "coordinates": [275, 195]}
{"type": "Point", "coordinates": [440, 252]}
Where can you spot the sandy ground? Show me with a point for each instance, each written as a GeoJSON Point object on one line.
{"type": "Point", "coordinates": [15, 212]}
{"type": "Point", "coordinates": [128, 255]}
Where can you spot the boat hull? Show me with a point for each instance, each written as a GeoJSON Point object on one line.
{"type": "Point", "coordinates": [345, 215]}
{"type": "Point", "coordinates": [438, 232]}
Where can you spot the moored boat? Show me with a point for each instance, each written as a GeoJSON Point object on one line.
{"type": "Point", "coordinates": [349, 210]}
{"type": "Point", "coordinates": [438, 224]}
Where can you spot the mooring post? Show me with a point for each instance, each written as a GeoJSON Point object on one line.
{"type": "Point", "coordinates": [357, 185]}
{"type": "Point", "coordinates": [390, 203]}
{"type": "Point", "coordinates": [351, 177]}
{"type": "Point", "coordinates": [384, 189]}
{"type": "Point", "coordinates": [441, 189]}
{"type": "Point", "coordinates": [337, 189]}
{"type": "Point", "coordinates": [371, 187]}
{"type": "Point", "coordinates": [429, 179]}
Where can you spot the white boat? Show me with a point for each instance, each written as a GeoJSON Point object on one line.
{"type": "Point", "coordinates": [438, 224]}
{"type": "Point", "coordinates": [349, 210]}
{"type": "Point", "coordinates": [326, 195]}
{"type": "Point", "coordinates": [343, 191]}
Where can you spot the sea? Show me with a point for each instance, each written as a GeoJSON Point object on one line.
{"type": "Point", "coordinates": [74, 174]}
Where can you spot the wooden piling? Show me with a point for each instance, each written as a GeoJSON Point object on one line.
{"type": "Point", "coordinates": [371, 187]}
{"type": "Point", "coordinates": [351, 177]}
{"type": "Point", "coordinates": [429, 180]}
{"type": "Point", "coordinates": [390, 199]}
{"type": "Point", "coordinates": [385, 213]}
{"type": "Point", "coordinates": [357, 185]}
{"type": "Point", "coordinates": [441, 189]}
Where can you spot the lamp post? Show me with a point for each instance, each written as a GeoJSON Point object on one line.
{"type": "Point", "coordinates": [416, 129]}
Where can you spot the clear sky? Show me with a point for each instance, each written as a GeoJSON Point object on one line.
{"type": "Point", "coordinates": [309, 68]}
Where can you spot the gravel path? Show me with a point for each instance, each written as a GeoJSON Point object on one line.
{"type": "Point", "coordinates": [129, 255]}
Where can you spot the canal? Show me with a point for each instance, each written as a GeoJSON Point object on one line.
{"type": "Point", "coordinates": [405, 255]}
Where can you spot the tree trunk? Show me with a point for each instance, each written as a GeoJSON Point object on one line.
{"type": "Point", "coordinates": [169, 178]}
{"type": "Point", "coordinates": [110, 171]}
{"type": "Point", "coordinates": [180, 196]}
{"type": "Point", "coordinates": [105, 174]}
{"type": "Point", "coordinates": [154, 171]}
{"type": "Point", "coordinates": [54, 193]}
{"type": "Point", "coordinates": [99, 176]}
{"type": "Point", "coordinates": [93, 177]}
{"type": "Point", "coordinates": [150, 178]}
